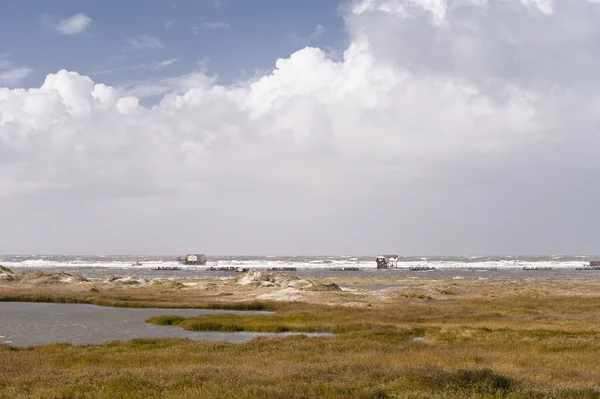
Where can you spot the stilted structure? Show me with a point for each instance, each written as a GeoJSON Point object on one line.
{"type": "Point", "coordinates": [387, 261]}
{"type": "Point", "coordinates": [193, 259]}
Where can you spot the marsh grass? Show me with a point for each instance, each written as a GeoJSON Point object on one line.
{"type": "Point", "coordinates": [346, 366]}
{"type": "Point", "coordinates": [490, 347]}
{"type": "Point", "coordinates": [93, 298]}
{"type": "Point", "coordinates": [166, 320]}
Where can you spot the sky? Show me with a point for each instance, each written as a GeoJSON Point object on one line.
{"type": "Point", "coordinates": [418, 127]}
{"type": "Point", "coordinates": [128, 43]}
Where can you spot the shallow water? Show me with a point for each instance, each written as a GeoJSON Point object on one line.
{"type": "Point", "coordinates": [29, 324]}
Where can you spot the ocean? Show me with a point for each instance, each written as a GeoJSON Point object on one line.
{"type": "Point", "coordinates": [494, 267]}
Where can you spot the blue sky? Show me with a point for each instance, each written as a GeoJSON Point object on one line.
{"type": "Point", "coordinates": [125, 42]}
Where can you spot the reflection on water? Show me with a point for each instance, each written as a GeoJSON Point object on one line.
{"type": "Point", "coordinates": [28, 324]}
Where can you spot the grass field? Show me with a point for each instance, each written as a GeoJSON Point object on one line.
{"type": "Point", "coordinates": [527, 343]}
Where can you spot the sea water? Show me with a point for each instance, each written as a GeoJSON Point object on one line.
{"type": "Point", "coordinates": [470, 267]}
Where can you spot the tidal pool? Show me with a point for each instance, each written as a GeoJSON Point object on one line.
{"type": "Point", "coordinates": [25, 324]}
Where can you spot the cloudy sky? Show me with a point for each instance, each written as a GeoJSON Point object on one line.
{"type": "Point", "coordinates": [421, 127]}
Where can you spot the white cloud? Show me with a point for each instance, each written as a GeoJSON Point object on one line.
{"type": "Point", "coordinates": [156, 87]}
{"type": "Point", "coordinates": [215, 25]}
{"type": "Point", "coordinates": [166, 63]}
{"type": "Point", "coordinates": [14, 76]}
{"type": "Point", "coordinates": [10, 74]}
{"type": "Point", "coordinates": [307, 39]}
{"type": "Point", "coordinates": [210, 26]}
{"type": "Point", "coordinates": [5, 61]}
{"type": "Point", "coordinates": [446, 126]}
{"type": "Point", "coordinates": [219, 3]}
{"type": "Point", "coordinates": [144, 42]}
{"type": "Point", "coordinates": [74, 25]}
{"type": "Point", "coordinates": [544, 6]}
{"type": "Point", "coordinates": [154, 66]}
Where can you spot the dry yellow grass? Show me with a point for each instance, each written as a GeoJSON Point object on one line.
{"type": "Point", "coordinates": [522, 339]}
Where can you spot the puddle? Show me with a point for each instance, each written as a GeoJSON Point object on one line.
{"type": "Point", "coordinates": [29, 324]}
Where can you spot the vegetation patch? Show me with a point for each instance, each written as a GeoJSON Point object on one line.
{"type": "Point", "coordinates": [481, 382]}
{"type": "Point", "coordinates": [93, 298]}
{"type": "Point", "coordinates": [168, 285]}
{"type": "Point", "coordinates": [212, 326]}
{"type": "Point", "coordinates": [166, 320]}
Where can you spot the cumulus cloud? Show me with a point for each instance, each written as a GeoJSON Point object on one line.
{"type": "Point", "coordinates": [74, 25]}
{"type": "Point", "coordinates": [447, 126]}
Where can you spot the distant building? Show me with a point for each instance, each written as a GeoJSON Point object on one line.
{"type": "Point", "coordinates": [387, 261]}
{"type": "Point", "coordinates": [193, 259]}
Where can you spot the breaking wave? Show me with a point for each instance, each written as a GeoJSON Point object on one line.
{"type": "Point", "coordinates": [318, 262]}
